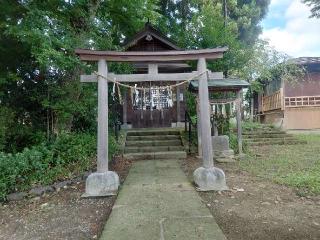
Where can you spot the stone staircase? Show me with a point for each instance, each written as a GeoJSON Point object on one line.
{"type": "Point", "coordinates": [149, 144]}
{"type": "Point", "coordinates": [269, 136]}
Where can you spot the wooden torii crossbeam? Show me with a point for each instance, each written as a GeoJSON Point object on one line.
{"type": "Point", "coordinates": [161, 56]}
{"type": "Point", "coordinates": [105, 182]}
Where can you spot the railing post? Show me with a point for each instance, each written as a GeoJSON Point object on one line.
{"type": "Point", "coordinates": [282, 103]}
{"type": "Point", "coordinates": [178, 105]}
{"type": "Point", "coordinates": [116, 130]}
{"type": "Point", "coordinates": [124, 110]}
{"type": "Point", "coordinates": [190, 136]}
{"type": "Point", "coordinates": [185, 121]}
{"type": "Point", "coordinates": [239, 128]}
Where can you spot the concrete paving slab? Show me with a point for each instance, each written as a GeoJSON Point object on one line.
{"type": "Point", "coordinates": [158, 202]}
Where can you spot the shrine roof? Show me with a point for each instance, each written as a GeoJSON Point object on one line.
{"type": "Point", "coordinates": [150, 30]}
{"type": "Point", "coordinates": [221, 84]}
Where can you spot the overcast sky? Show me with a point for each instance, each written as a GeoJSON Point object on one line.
{"type": "Point", "coordinates": [290, 30]}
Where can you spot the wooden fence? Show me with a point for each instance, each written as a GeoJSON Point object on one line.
{"type": "Point", "coordinates": [273, 102]}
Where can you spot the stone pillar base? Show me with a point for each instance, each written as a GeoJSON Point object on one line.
{"type": "Point", "coordinates": [102, 184]}
{"type": "Point", "coordinates": [208, 179]}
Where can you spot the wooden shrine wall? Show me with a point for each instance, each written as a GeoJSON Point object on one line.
{"type": "Point", "coordinates": [160, 117]}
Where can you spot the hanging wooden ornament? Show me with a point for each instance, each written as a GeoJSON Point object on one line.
{"type": "Point", "coordinates": [141, 104]}
{"type": "Point", "coordinates": [144, 98]}
{"type": "Point", "coordinates": [151, 102]}
{"type": "Point", "coordinates": [158, 103]}
{"type": "Point", "coordinates": [170, 97]}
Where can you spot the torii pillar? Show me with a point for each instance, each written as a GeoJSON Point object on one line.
{"type": "Point", "coordinates": [207, 177]}
{"type": "Point", "coordinates": [103, 182]}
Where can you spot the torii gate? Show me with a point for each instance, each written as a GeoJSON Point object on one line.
{"type": "Point", "coordinates": [105, 182]}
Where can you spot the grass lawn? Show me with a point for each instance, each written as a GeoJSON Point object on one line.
{"type": "Point", "coordinates": [293, 165]}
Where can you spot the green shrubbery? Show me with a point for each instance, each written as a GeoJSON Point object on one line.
{"type": "Point", "coordinates": [68, 155]}
{"type": "Point", "coordinates": [307, 181]}
{"type": "Point", "coordinates": [254, 126]}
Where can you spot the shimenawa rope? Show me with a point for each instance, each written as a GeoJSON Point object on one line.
{"type": "Point", "coordinates": [143, 88]}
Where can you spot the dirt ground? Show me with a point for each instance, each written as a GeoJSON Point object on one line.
{"type": "Point", "coordinates": [254, 209]}
{"type": "Point", "coordinates": [59, 215]}
{"type": "Point", "coordinates": [259, 209]}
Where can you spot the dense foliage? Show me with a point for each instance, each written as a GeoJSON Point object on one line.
{"type": "Point", "coordinates": [42, 164]}
{"type": "Point", "coordinates": [68, 156]}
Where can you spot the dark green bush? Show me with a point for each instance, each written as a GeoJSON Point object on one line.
{"type": "Point", "coordinates": [68, 155]}
{"type": "Point", "coordinates": [21, 170]}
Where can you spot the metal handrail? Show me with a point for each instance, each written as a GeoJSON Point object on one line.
{"type": "Point", "coordinates": [187, 122]}
{"type": "Point", "coordinates": [117, 127]}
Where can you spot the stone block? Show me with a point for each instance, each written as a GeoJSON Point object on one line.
{"type": "Point", "coordinates": [62, 184]}
{"type": "Point", "coordinates": [38, 191]}
{"type": "Point", "coordinates": [220, 143]}
{"type": "Point", "coordinates": [224, 154]}
{"type": "Point", "coordinates": [221, 150]}
{"type": "Point", "coordinates": [102, 184]}
{"type": "Point", "coordinates": [208, 179]}
{"type": "Point", "coordinates": [86, 174]}
{"type": "Point", "coordinates": [16, 196]}
{"type": "Point", "coordinates": [76, 179]}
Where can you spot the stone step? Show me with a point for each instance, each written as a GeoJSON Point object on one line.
{"type": "Point", "coordinates": [153, 137]}
{"type": "Point", "coordinates": [262, 132]}
{"type": "Point", "coordinates": [154, 143]}
{"type": "Point", "coordinates": [277, 142]}
{"type": "Point", "coordinates": [152, 132]}
{"type": "Point", "coordinates": [280, 135]}
{"type": "Point", "coordinates": [266, 139]}
{"type": "Point", "coordinates": [153, 149]}
{"type": "Point", "coordinates": [156, 155]}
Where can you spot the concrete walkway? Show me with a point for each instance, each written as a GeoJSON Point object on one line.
{"type": "Point", "coordinates": [158, 202]}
